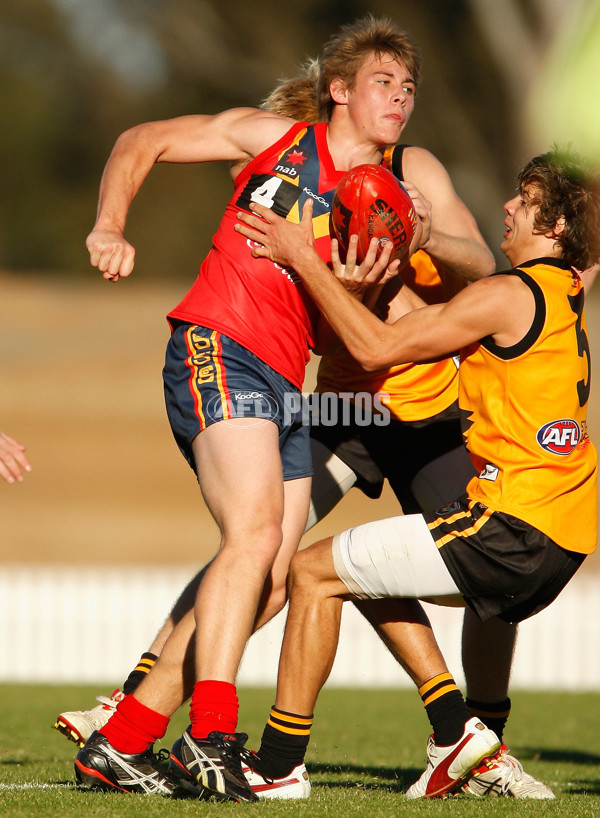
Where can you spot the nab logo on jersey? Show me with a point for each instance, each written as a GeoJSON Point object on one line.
{"type": "Point", "coordinates": [289, 160]}
{"type": "Point", "coordinates": [559, 436]}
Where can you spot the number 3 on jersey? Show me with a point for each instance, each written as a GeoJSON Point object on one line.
{"type": "Point", "coordinates": [583, 345]}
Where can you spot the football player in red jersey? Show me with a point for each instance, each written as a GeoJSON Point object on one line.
{"type": "Point", "coordinates": [245, 328]}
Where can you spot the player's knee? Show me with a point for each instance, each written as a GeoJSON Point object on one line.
{"type": "Point", "coordinates": [305, 573]}
{"type": "Point", "coordinates": [259, 543]}
{"type": "Point", "coordinates": [266, 547]}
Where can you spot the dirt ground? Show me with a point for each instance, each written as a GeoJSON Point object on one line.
{"type": "Point", "coordinates": [80, 386]}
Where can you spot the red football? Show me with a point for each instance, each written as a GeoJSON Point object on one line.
{"type": "Point", "coordinates": [369, 201]}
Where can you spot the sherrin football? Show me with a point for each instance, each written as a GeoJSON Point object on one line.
{"type": "Point", "coordinates": [370, 202]}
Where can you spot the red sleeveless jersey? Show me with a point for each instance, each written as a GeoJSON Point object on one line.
{"type": "Point", "coordinates": [259, 304]}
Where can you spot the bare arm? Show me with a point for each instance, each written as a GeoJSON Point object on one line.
{"type": "Point", "coordinates": [501, 306]}
{"type": "Point", "coordinates": [236, 135]}
{"type": "Point", "coordinates": [450, 232]}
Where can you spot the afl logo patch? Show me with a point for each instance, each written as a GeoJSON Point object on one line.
{"type": "Point", "coordinates": [559, 436]}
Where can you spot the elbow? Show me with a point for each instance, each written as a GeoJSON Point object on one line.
{"type": "Point", "coordinates": [131, 135]}
{"type": "Point", "coordinates": [375, 352]}
{"type": "Point", "coordinates": [373, 367]}
{"type": "Point", "coordinates": [371, 364]}
{"type": "Point", "coordinates": [370, 360]}
{"type": "Point", "coordinates": [486, 268]}
{"type": "Point", "coordinates": [481, 265]}
{"type": "Point", "coordinates": [140, 141]}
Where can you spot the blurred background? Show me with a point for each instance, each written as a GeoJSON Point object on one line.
{"type": "Point", "coordinates": [80, 360]}
{"type": "Point", "coordinates": [75, 73]}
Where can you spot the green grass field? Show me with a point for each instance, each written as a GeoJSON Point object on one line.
{"type": "Point", "coordinates": [366, 748]}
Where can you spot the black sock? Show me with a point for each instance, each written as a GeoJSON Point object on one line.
{"type": "Point", "coordinates": [143, 667]}
{"type": "Point", "coordinates": [493, 714]}
{"type": "Point", "coordinates": [284, 742]}
{"type": "Point", "coordinates": [446, 709]}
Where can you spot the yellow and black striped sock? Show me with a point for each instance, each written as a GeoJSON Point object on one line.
{"type": "Point", "coordinates": [493, 714]}
{"type": "Point", "coordinates": [140, 671]}
{"type": "Point", "coordinates": [284, 742]}
{"type": "Point", "coordinates": [445, 707]}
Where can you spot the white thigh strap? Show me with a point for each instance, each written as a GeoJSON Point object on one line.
{"type": "Point", "coordinates": [396, 557]}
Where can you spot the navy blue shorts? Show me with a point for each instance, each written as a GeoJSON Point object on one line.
{"type": "Point", "coordinates": [208, 377]}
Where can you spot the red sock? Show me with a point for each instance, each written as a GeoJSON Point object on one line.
{"type": "Point", "coordinates": [133, 726]}
{"type": "Point", "coordinates": [214, 707]}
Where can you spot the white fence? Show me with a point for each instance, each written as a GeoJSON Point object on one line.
{"type": "Point", "coordinates": [73, 624]}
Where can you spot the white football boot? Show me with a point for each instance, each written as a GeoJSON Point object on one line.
{"type": "Point", "coordinates": [78, 725]}
{"type": "Point", "coordinates": [449, 766]}
{"type": "Point", "coordinates": [292, 786]}
{"type": "Point", "coordinates": [503, 774]}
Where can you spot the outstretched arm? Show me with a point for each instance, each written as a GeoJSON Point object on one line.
{"type": "Point", "coordinates": [236, 135]}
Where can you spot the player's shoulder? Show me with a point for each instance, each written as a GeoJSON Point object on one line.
{"type": "Point", "coordinates": [506, 285]}
{"type": "Point", "coordinates": [254, 130]}
{"type": "Point", "coordinates": [257, 118]}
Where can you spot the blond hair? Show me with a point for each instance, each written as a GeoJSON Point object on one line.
{"type": "Point", "coordinates": [296, 97]}
{"type": "Point", "coordinates": [307, 97]}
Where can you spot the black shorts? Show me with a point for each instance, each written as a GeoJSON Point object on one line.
{"type": "Point", "coordinates": [503, 566]}
{"type": "Point", "coordinates": [399, 451]}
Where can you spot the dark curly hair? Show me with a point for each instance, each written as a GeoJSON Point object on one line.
{"type": "Point", "coordinates": [565, 186]}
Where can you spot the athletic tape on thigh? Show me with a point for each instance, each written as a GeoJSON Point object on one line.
{"type": "Point", "coordinates": [396, 557]}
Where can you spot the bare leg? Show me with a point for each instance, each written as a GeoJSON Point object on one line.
{"type": "Point", "coordinates": [239, 471]}
{"type": "Point", "coordinates": [332, 481]}
{"type": "Point", "coordinates": [404, 628]}
{"type": "Point", "coordinates": [274, 595]}
{"type": "Point", "coordinates": [312, 631]}
{"type": "Point", "coordinates": [312, 628]}
{"type": "Point", "coordinates": [171, 680]}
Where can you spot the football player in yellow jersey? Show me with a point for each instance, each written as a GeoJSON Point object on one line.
{"type": "Point", "coordinates": [509, 545]}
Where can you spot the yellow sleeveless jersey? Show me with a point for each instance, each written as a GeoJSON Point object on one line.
{"type": "Point", "coordinates": [411, 392]}
{"type": "Point", "coordinates": [523, 410]}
